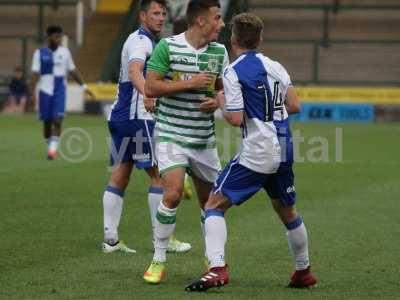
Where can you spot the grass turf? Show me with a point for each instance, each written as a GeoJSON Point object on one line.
{"type": "Point", "coordinates": [51, 223]}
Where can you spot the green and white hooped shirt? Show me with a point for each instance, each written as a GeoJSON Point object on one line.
{"type": "Point", "coordinates": [178, 117]}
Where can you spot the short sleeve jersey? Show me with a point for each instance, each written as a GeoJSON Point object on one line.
{"type": "Point", "coordinates": [179, 119]}
{"type": "Point", "coordinates": [52, 66]}
{"type": "Point", "coordinates": [129, 104]}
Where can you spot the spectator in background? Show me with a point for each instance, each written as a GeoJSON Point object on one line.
{"type": "Point", "coordinates": [18, 93]}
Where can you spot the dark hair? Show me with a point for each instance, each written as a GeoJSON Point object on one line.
{"type": "Point", "coordinates": [53, 29]}
{"type": "Point", "coordinates": [247, 28]}
{"type": "Point", "coordinates": [179, 26]}
{"type": "Point", "coordinates": [197, 8]}
{"type": "Point", "coordinates": [145, 4]}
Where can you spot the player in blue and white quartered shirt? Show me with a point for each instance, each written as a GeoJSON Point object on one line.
{"type": "Point", "coordinates": [131, 128]}
{"type": "Point", "coordinates": [50, 68]}
{"type": "Point", "coordinates": [259, 96]}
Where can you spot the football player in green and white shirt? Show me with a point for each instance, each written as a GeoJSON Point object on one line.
{"type": "Point", "coordinates": [185, 72]}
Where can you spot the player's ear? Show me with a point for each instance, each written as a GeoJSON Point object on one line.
{"type": "Point", "coordinates": [142, 16]}
{"type": "Point", "coordinates": [201, 20]}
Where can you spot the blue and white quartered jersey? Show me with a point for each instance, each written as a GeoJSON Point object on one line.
{"type": "Point", "coordinates": [257, 86]}
{"type": "Point", "coordinates": [53, 68]}
{"type": "Point", "coordinates": [129, 104]}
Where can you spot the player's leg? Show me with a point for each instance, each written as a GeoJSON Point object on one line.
{"type": "Point", "coordinates": [280, 188]}
{"type": "Point", "coordinates": [165, 222]}
{"type": "Point", "coordinates": [155, 196]}
{"type": "Point", "coordinates": [203, 189]}
{"type": "Point", "coordinates": [57, 111]}
{"type": "Point", "coordinates": [56, 125]}
{"type": "Point", "coordinates": [45, 115]}
{"type": "Point", "coordinates": [47, 125]}
{"type": "Point", "coordinates": [204, 169]}
{"type": "Point", "coordinates": [215, 237]}
{"type": "Point", "coordinates": [113, 197]}
{"type": "Point", "coordinates": [234, 185]}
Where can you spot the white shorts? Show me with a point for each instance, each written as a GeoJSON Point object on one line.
{"type": "Point", "coordinates": [204, 164]}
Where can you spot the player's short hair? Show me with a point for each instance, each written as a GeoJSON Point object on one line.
{"type": "Point", "coordinates": [145, 4]}
{"type": "Point", "coordinates": [53, 29]}
{"type": "Point", "coordinates": [197, 8]}
{"type": "Point", "coordinates": [247, 28]}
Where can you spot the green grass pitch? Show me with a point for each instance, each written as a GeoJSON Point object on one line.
{"type": "Point", "coordinates": [51, 223]}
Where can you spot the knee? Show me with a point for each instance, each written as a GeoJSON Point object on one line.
{"type": "Point", "coordinates": [217, 201]}
{"type": "Point", "coordinates": [172, 196]}
{"type": "Point", "coordinates": [57, 124]}
{"type": "Point", "coordinates": [287, 214]}
{"type": "Point", "coordinates": [120, 180]}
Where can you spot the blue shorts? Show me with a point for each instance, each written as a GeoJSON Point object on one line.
{"type": "Point", "coordinates": [51, 107]}
{"type": "Point", "coordinates": [238, 184]}
{"type": "Point", "coordinates": [132, 141]}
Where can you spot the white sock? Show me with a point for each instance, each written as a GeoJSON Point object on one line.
{"type": "Point", "coordinates": [216, 235]}
{"type": "Point", "coordinates": [164, 228]}
{"type": "Point", "coordinates": [154, 198]}
{"type": "Point", "coordinates": [298, 243]}
{"type": "Point", "coordinates": [203, 230]}
{"type": "Point", "coordinates": [53, 143]}
{"type": "Point", "coordinates": [112, 205]}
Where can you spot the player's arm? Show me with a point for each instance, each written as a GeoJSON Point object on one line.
{"type": "Point", "coordinates": [158, 66]}
{"type": "Point", "coordinates": [292, 102]}
{"type": "Point", "coordinates": [210, 105]}
{"type": "Point", "coordinates": [235, 118]}
{"type": "Point", "coordinates": [135, 71]}
{"type": "Point", "coordinates": [231, 99]}
{"type": "Point", "coordinates": [34, 79]}
{"type": "Point", "coordinates": [76, 75]}
{"type": "Point", "coordinates": [156, 86]}
{"type": "Point", "coordinates": [35, 74]}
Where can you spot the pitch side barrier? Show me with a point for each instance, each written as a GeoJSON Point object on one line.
{"type": "Point", "coordinates": [319, 104]}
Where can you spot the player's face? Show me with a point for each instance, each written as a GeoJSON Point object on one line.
{"type": "Point", "coordinates": [154, 17]}
{"type": "Point", "coordinates": [55, 39]}
{"type": "Point", "coordinates": [213, 24]}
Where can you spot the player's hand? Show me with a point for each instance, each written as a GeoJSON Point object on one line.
{"type": "Point", "coordinates": [89, 93]}
{"type": "Point", "coordinates": [201, 81]}
{"type": "Point", "coordinates": [149, 104]}
{"type": "Point", "coordinates": [209, 105]}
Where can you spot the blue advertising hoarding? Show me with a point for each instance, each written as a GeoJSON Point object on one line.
{"type": "Point", "coordinates": [326, 112]}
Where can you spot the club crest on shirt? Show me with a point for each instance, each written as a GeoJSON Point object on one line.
{"type": "Point", "coordinates": [212, 65]}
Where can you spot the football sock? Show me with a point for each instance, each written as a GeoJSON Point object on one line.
{"type": "Point", "coordinates": [216, 235]}
{"type": "Point", "coordinates": [164, 227]}
{"type": "Point", "coordinates": [203, 231]}
{"type": "Point", "coordinates": [112, 206]}
{"type": "Point", "coordinates": [53, 143]}
{"type": "Point", "coordinates": [154, 198]}
{"type": "Point", "coordinates": [298, 243]}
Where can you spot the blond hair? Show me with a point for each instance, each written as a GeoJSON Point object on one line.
{"type": "Point", "coordinates": [247, 28]}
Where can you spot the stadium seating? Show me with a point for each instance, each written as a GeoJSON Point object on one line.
{"type": "Point", "coordinates": [341, 62]}
{"type": "Point", "coordinates": [27, 25]}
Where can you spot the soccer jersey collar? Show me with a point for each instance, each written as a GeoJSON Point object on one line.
{"type": "Point", "coordinates": [201, 50]}
{"type": "Point", "coordinates": [143, 31]}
